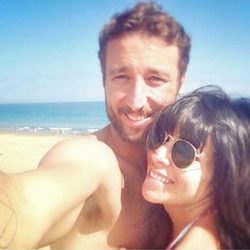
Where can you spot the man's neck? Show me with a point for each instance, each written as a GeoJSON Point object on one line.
{"type": "Point", "coordinates": [130, 152]}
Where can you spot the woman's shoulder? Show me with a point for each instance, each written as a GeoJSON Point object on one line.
{"type": "Point", "coordinates": [202, 235]}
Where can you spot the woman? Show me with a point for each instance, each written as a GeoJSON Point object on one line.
{"type": "Point", "coordinates": [199, 169]}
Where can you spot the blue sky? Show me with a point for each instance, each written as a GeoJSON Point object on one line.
{"type": "Point", "coordinates": [48, 48]}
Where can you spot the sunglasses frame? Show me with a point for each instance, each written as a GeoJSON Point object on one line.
{"type": "Point", "coordinates": [197, 154]}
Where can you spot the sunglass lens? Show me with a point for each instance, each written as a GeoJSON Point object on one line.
{"type": "Point", "coordinates": [182, 154]}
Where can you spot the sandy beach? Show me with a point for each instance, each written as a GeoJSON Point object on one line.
{"type": "Point", "coordinates": [20, 152]}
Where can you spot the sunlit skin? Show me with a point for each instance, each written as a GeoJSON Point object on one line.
{"type": "Point", "coordinates": [142, 77]}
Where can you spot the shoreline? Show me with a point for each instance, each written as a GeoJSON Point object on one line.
{"type": "Point", "coordinates": [48, 130]}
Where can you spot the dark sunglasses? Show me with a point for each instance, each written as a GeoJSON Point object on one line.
{"type": "Point", "coordinates": [182, 152]}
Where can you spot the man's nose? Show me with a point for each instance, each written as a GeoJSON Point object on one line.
{"type": "Point", "coordinates": [137, 94]}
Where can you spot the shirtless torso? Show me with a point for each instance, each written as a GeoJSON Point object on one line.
{"type": "Point", "coordinates": [139, 225]}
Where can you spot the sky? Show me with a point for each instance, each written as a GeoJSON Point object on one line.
{"type": "Point", "coordinates": [48, 48]}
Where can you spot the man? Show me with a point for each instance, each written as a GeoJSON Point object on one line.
{"type": "Point", "coordinates": [72, 201]}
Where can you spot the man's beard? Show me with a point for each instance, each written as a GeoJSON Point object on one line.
{"type": "Point", "coordinates": [134, 136]}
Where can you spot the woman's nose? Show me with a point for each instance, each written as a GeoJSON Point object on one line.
{"type": "Point", "coordinates": [160, 157]}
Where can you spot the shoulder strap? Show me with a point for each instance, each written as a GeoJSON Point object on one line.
{"type": "Point", "coordinates": [187, 228]}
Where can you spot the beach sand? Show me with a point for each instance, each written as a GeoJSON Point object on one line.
{"type": "Point", "coordinates": [20, 152]}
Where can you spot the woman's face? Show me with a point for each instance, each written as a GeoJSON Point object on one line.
{"type": "Point", "coordinates": [167, 184]}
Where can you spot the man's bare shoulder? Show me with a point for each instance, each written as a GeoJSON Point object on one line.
{"type": "Point", "coordinates": [84, 150]}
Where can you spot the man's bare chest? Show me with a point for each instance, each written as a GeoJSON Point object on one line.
{"type": "Point", "coordinates": [131, 230]}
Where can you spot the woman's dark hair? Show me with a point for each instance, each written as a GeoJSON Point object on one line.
{"type": "Point", "coordinates": [209, 113]}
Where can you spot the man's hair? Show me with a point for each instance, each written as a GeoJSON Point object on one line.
{"type": "Point", "coordinates": [149, 19]}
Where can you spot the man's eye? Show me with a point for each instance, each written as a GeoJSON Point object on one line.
{"type": "Point", "coordinates": [156, 80]}
{"type": "Point", "coordinates": [121, 77]}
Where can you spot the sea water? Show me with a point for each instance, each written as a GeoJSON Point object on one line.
{"type": "Point", "coordinates": [69, 117]}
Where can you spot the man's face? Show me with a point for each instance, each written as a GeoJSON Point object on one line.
{"type": "Point", "coordinates": [142, 77]}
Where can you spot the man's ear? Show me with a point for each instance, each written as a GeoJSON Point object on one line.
{"type": "Point", "coordinates": [182, 83]}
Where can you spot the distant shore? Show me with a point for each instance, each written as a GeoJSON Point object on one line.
{"type": "Point", "coordinates": [47, 130]}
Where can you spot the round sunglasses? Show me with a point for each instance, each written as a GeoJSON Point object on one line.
{"type": "Point", "coordinates": [182, 152]}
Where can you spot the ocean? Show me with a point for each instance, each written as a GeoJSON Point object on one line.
{"type": "Point", "coordinates": [53, 118]}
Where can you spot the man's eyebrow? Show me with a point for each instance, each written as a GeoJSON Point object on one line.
{"type": "Point", "coordinates": [159, 72]}
{"type": "Point", "coordinates": [117, 70]}
{"type": "Point", "coordinates": [124, 69]}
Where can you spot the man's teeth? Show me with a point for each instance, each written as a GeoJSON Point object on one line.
{"type": "Point", "coordinates": [159, 177]}
{"type": "Point", "coordinates": [137, 117]}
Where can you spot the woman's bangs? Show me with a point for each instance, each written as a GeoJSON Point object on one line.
{"type": "Point", "coordinates": [193, 128]}
{"type": "Point", "coordinates": [165, 124]}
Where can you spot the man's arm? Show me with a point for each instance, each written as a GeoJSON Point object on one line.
{"type": "Point", "coordinates": [8, 219]}
{"type": "Point", "coordinates": [67, 176]}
